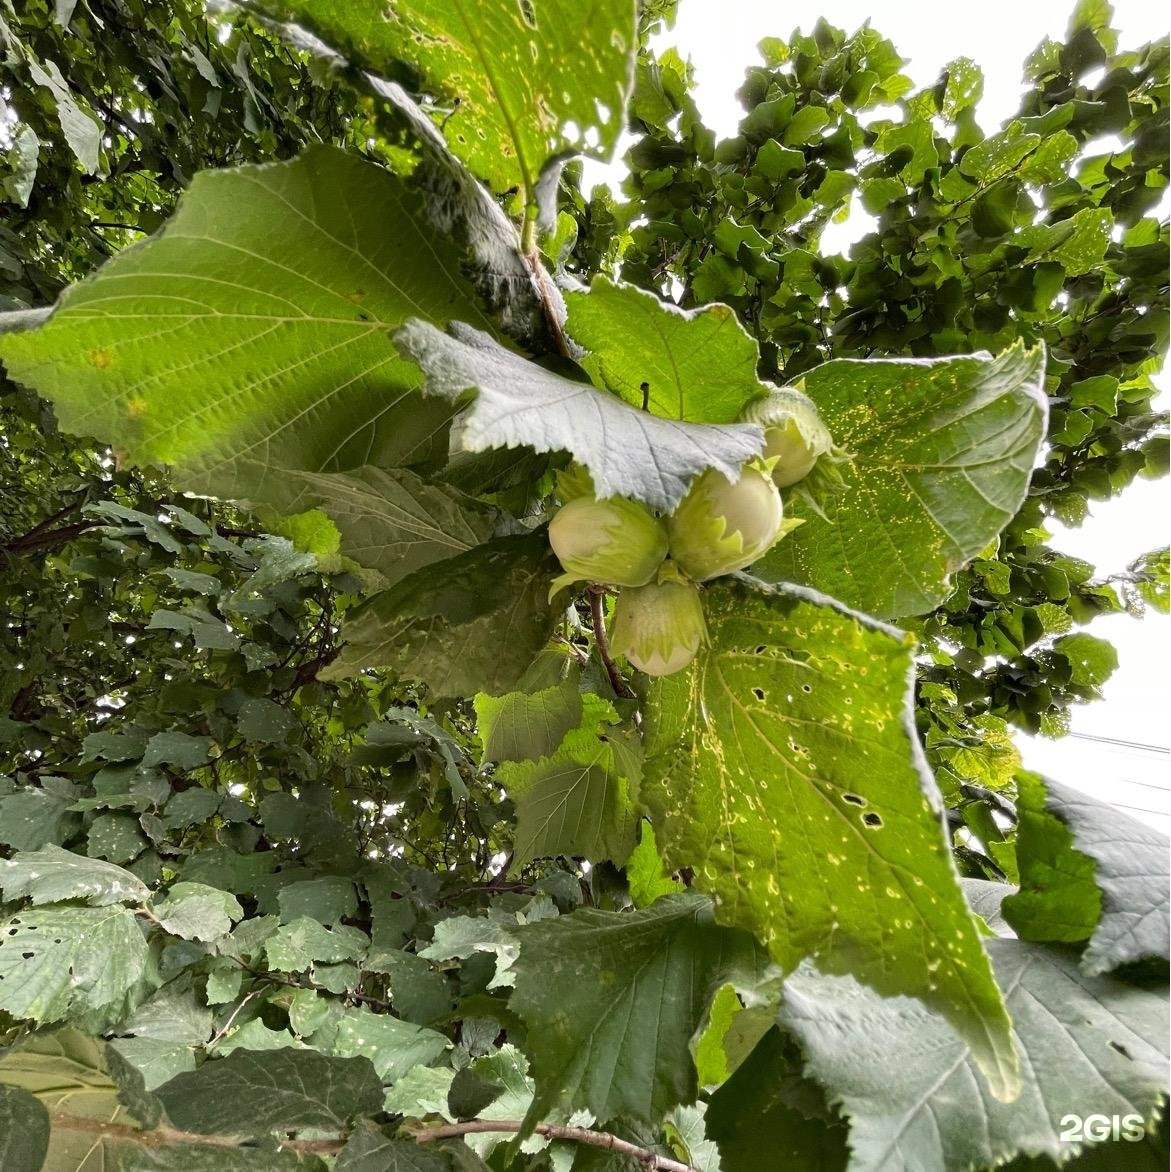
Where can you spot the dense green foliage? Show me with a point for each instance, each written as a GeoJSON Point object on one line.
{"type": "Point", "coordinates": [332, 833]}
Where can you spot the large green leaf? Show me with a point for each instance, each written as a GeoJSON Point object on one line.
{"type": "Point", "coordinates": [390, 520]}
{"type": "Point", "coordinates": [523, 726]}
{"type": "Point", "coordinates": [394, 1047]}
{"type": "Point", "coordinates": [73, 1075]}
{"type": "Point", "coordinates": [516, 85]}
{"type": "Point", "coordinates": [60, 961]}
{"type": "Point", "coordinates": [468, 624]}
{"type": "Point", "coordinates": [252, 331]}
{"type": "Point", "coordinates": [1089, 1045]}
{"type": "Point", "coordinates": [1058, 900]}
{"type": "Point", "coordinates": [254, 1092]}
{"type": "Point", "coordinates": [698, 365]}
{"type": "Point", "coordinates": [52, 874]}
{"type": "Point", "coordinates": [611, 1000]}
{"type": "Point", "coordinates": [580, 799]}
{"type": "Point", "coordinates": [783, 768]}
{"type": "Point", "coordinates": [941, 455]}
{"type": "Point", "coordinates": [629, 452]}
{"type": "Point", "coordinates": [1089, 872]}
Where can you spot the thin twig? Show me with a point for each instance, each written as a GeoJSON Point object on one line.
{"type": "Point", "coordinates": [581, 1135]}
{"type": "Point", "coordinates": [219, 1034]}
{"type": "Point", "coordinates": [350, 995]}
{"type": "Point", "coordinates": [597, 594]}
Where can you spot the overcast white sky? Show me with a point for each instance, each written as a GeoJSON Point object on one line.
{"type": "Point", "coordinates": [720, 38]}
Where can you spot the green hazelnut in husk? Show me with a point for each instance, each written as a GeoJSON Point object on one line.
{"type": "Point", "coordinates": [614, 541]}
{"type": "Point", "coordinates": [722, 526]}
{"type": "Point", "coordinates": [794, 435]}
{"type": "Point", "coordinates": [659, 627]}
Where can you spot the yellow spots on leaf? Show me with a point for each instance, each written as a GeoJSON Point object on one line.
{"type": "Point", "coordinates": [99, 357]}
{"type": "Point", "coordinates": [357, 296]}
{"type": "Point", "coordinates": [137, 407]}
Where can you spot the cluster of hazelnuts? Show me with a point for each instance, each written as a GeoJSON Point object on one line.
{"type": "Point", "coordinates": [719, 527]}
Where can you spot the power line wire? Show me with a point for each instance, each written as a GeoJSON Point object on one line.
{"type": "Point", "coordinates": [1141, 809]}
{"type": "Point", "coordinates": [1125, 744]}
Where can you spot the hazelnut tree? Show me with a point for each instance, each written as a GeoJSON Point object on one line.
{"type": "Point", "coordinates": [522, 681]}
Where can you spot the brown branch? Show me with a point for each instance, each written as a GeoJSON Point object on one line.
{"type": "Point", "coordinates": [581, 1135]}
{"type": "Point", "coordinates": [47, 538]}
{"type": "Point", "coordinates": [158, 1137]}
{"type": "Point", "coordinates": [53, 518]}
{"type": "Point", "coordinates": [221, 1033]}
{"type": "Point", "coordinates": [547, 295]}
{"type": "Point", "coordinates": [596, 594]}
{"type": "Point", "coordinates": [307, 672]}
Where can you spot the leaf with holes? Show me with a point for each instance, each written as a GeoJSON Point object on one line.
{"type": "Point", "coordinates": [57, 962]}
{"type": "Point", "coordinates": [627, 451]}
{"type": "Point", "coordinates": [783, 767]}
{"type": "Point", "coordinates": [251, 332]}
{"type": "Point", "coordinates": [941, 451]}
{"type": "Point", "coordinates": [53, 874]}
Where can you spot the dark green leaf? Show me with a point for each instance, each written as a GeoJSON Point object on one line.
{"type": "Point", "coordinates": [24, 1131]}
{"type": "Point", "coordinates": [470, 624]}
{"type": "Point", "coordinates": [1081, 847]}
{"type": "Point", "coordinates": [254, 1093]}
{"type": "Point", "coordinates": [610, 1002]}
{"type": "Point", "coordinates": [767, 1114]}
